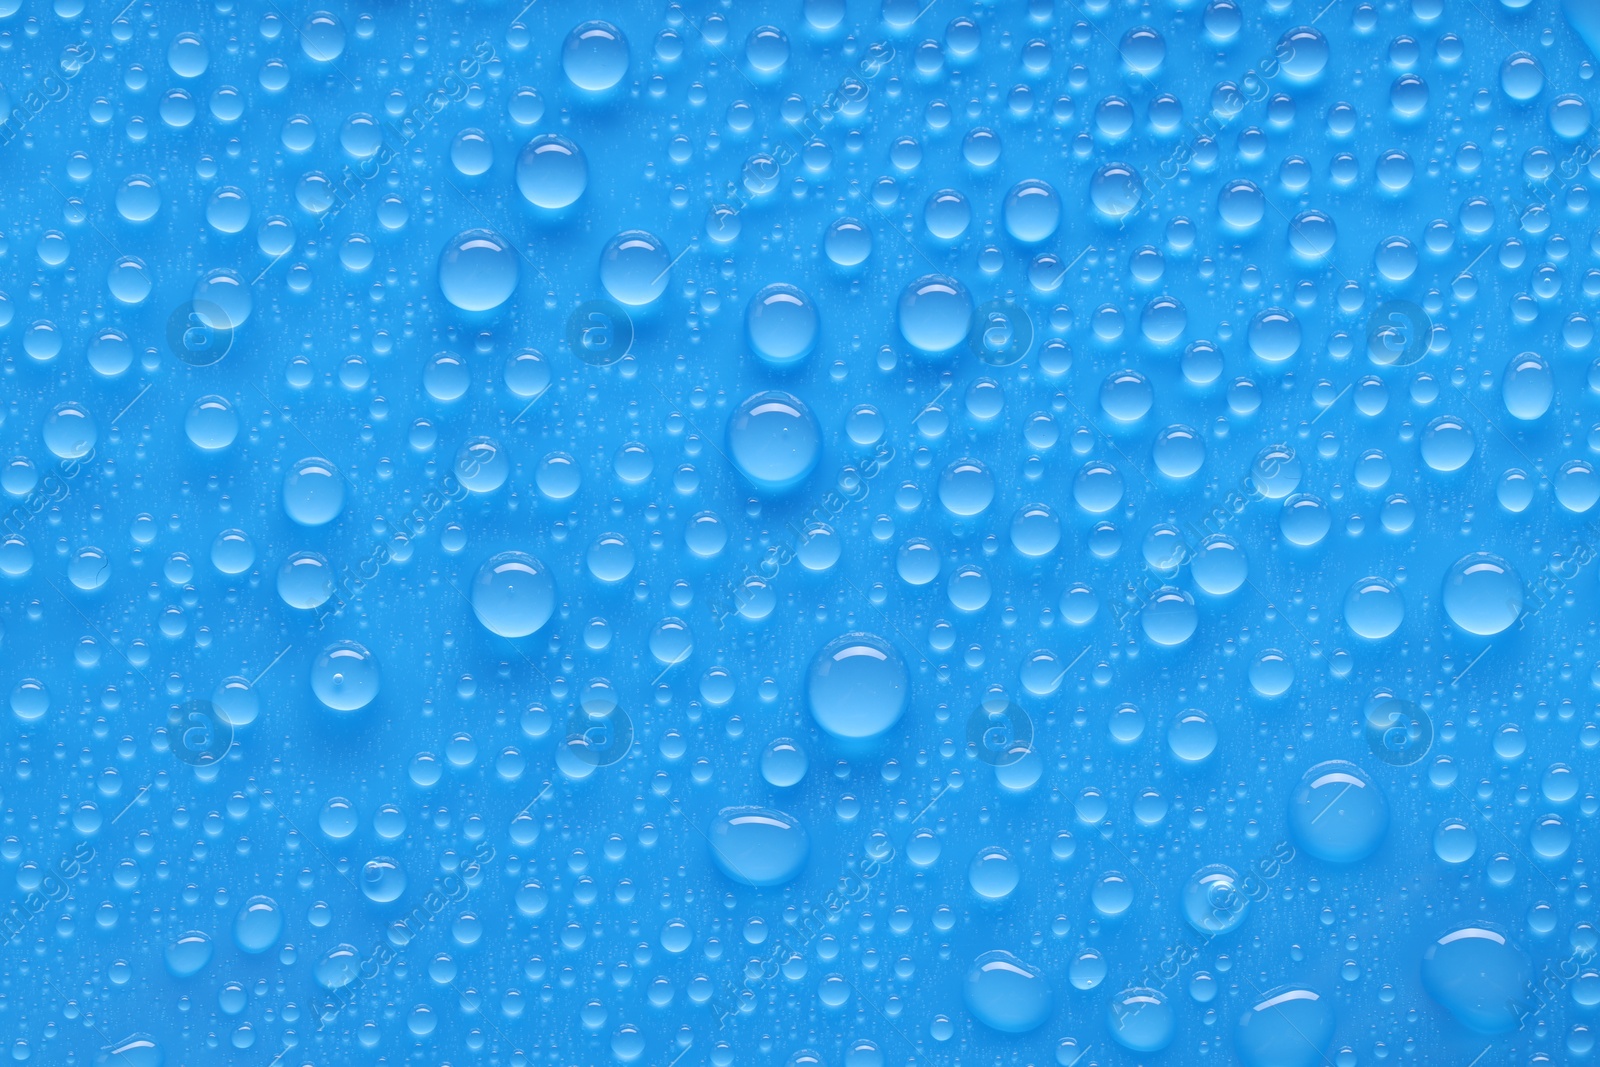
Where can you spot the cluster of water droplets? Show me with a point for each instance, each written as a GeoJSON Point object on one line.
{"type": "Point", "coordinates": [815, 533]}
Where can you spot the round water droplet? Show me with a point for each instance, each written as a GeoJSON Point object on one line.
{"type": "Point", "coordinates": [858, 686]}
{"type": "Point", "coordinates": [1373, 608]}
{"type": "Point", "coordinates": [595, 56]}
{"type": "Point", "coordinates": [635, 267]}
{"type": "Point", "coordinates": [258, 925]}
{"type": "Point", "coordinates": [1006, 994]}
{"type": "Point", "coordinates": [313, 492]}
{"type": "Point", "coordinates": [1142, 1020]}
{"type": "Point", "coordinates": [758, 846]}
{"type": "Point", "coordinates": [1032, 211]}
{"type": "Point", "coordinates": [1212, 900]}
{"type": "Point", "coordinates": [513, 594]}
{"type": "Point", "coordinates": [382, 880]}
{"type": "Point", "coordinates": [189, 955]}
{"type": "Point", "coordinates": [552, 172]}
{"type": "Point", "coordinates": [993, 873]}
{"type": "Point", "coordinates": [1482, 594]}
{"type": "Point", "coordinates": [345, 676]}
{"type": "Point", "coordinates": [1528, 388]}
{"type": "Point", "coordinates": [1337, 813]}
{"type": "Point", "coordinates": [774, 440]}
{"type": "Point", "coordinates": [935, 313]}
{"type": "Point", "coordinates": [848, 242]}
{"type": "Point", "coordinates": [1479, 976]}
{"type": "Point", "coordinates": [781, 324]}
{"type": "Point", "coordinates": [783, 763]}
{"type": "Point", "coordinates": [1288, 1027]}
{"type": "Point", "coordinates": [477, 270]}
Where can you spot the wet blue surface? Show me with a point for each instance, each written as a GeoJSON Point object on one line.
{"type": "Point", "coordinates": [839, 533]}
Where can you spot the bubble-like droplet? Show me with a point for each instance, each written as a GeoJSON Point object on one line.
{"type": "Point", "coordinates": [1302, 53]}
{"type": "Point", "coordinates": [258, 925]}
{"type": "Point", "coordinates": [1141, 1019]}
{"type": "Point", "coordinates": [857, 687]}
{"type": "Point", "coordinates": [552, 172]}
{"type": "Point", "coordinates": [759, 846]}
{"type": "Point", "coordinates": [1337, 813]}
{"type": "Point", "coordinates": [848, 242]}
{"type": "Point", "coordinates": [1373, 608]}
{"type": "Point", "coordinates": [478, 270]}
{"type": "Point", "coordinates": [313, 492]}
{"type": "Point", "coordinates": [595, 56]}
{"type": "Point", "coordinates": [1115, 190]}
{"type": "Point", "coordinates": [774, 440]}
{"type": "Point", "coordinates": [1006, 994]}
{"type": "Point", "coordinates": [190, 954]}
{"type": "Point", "coordinates": [345, 676]}
{"type": "Point", "coordinates": [1529, 387]}
{"type": "Point", "coordinates": [1032, 211]}
{"type": "Point", "coordinates": [781, 324]}
{"type": "Point", "coordinates": [1482, 594]}
{"type": "Point", "coordinates": [382, 879]}
{"type": "Point", "coordinates": [339, 967]}
{"type": "Point", "coordinates": [1479, 976]}
{"type": "Point", "coordinates": [1288, 1027]}
{"type": "Point", "coordinates": [634, 267]}
{"type": "Point", "coordinates": [935, 313]}
{"type": "Point", "coordinates": [1169, 618]}
{"type": "Point", "coordinates": [1213, 902]}
{"type": "Point", "coordinates": [69, 431]}
{"type": "Point", "coordinates": [513, 594]}
{"type": "Point", "coordinates": [322, 36]}
{"type": "Point", "coordinates": [1274, 335]}
{"type": "Point", "coordinates": [1447, 444]}
{"type": "Point", "coordinates": [993, 873]}
{"type": "Point", "coordinates": [211, 424]}
{"type": "Point", "coordinates": [135, 1050]}
{"type": "Point", "coordinates": [783, 763]}
{"type": "Point", "coordinates": [222, 300]}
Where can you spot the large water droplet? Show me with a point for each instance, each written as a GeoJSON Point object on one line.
{"type": "Point", "coordinates": [1337, 813]}
{"type": "Point", "coordinates": [858, 686]}
{"type": "Point", "coordinates": [513, 594]}
{"type": "Point", "coordinates": [774, 440]}
{"type": "Point", "coordinates": [759, 846]}
{"type": "Point", "coordinates": [478, 270]}
{"type": "Point", "coordinates": [1480, 977]}
{"type": "Point", "coordinates": [1006, 994]}
{"type": "Point", "coordinates": [1482, 594]}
